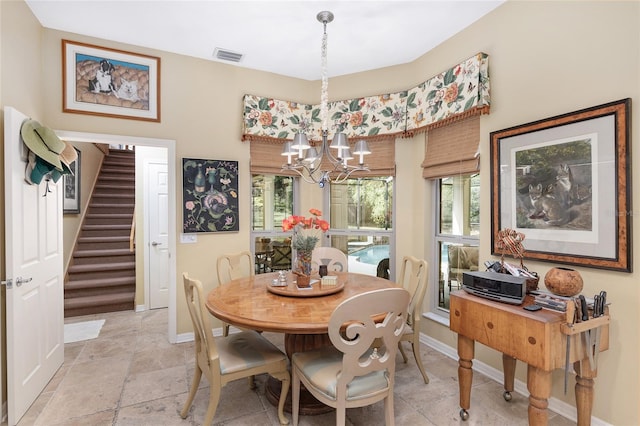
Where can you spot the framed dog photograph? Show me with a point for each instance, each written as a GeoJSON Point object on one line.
{"type": "Point", "coordinates": [110, 82]}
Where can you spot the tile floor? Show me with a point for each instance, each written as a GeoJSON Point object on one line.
{"type": "Point", "coordinates": [131, 375]}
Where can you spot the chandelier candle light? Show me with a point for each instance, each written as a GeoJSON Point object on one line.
{"type": "Point", "coordinates": [308, 160]}
{"type": "Point", "coordinates": [306, 234]}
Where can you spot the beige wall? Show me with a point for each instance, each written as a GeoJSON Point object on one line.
{"type": "Point", "coordinates": [546, 58]}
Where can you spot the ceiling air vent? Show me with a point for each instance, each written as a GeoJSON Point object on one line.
{"type": "Point", "coordinates": [227, 55]}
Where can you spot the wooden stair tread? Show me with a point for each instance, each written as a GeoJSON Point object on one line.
{"type": "Point", "coordinates": [111, 205]}
{"type": "Point", "coordinates": [99, 282]}
{"type": "Point", "coordinates": [109, 239]}
{"type": "Point", "coordinates": [105, 227]}
{"type": "Point", "coordinates": [98, 194]}
{"type": "Point", "coordinates": [117, 178]}
{"type": "Point", "coordinates": [102, 299]}
{"type": "Point", "coordinates": [109, 216]}
{"type": "Point", "coordinates": [102, 267]}
{"type": "Point", "coordinates": [102, 252]}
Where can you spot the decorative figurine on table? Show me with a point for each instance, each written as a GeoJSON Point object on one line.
{"type": "Point", "coordinates": [509, 241]}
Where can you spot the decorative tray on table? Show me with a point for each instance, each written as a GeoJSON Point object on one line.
{"type": "Point", "coordinates": [314, 290]}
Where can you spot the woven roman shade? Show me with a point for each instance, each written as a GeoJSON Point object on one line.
{"type": "Point", "coordinates": [381, 161]}
{"type": "Point", "coordinates": [452, 149]}
{"type": "Point", "coordinates": [266, 158]}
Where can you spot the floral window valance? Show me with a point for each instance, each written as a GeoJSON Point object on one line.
{"type": "Point", "coordinates": [459, 92]}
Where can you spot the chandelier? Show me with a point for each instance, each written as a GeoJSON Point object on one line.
{"type": "Point", "coordinates": [309, 162]}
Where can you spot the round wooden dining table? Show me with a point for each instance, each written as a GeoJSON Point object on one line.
{"type": "Point", "coordinates": [301, 314]}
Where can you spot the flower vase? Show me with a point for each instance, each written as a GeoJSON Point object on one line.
{"type": "Point", "coordinates": [303, 267]}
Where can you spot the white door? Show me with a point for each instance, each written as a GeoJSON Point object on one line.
{"type": "Point", "coordinates": [34, 302]}
{"type": "Point", "coordinates": [158, 221]}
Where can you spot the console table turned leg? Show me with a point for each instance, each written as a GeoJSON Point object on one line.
{"type": "Point", "coordinates": [584, 391]}
{"type": "Point", "coordinates": [466, 349]}
{"type": "Point", "coordinates": [509, 369]}
{"type": "Point", "coordinates": [539, 386]}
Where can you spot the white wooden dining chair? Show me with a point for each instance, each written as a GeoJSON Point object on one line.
{"type": "Point", "coordinates": [359, 368]}
{"type": "Point", "coordinates": [413, 277]}
{"type": "Point", "coordinates": [232, 266]}
{"type": "Point", "coordinates": [334, 258]}
{"type": "Point", "coordinates": [229, 358]}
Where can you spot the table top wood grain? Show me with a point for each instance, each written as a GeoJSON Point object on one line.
{"type": "Point", "coordinates": [246, 303]}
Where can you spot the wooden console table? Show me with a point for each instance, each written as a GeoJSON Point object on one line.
{"type": "Point", "coordinates": [536, 338]}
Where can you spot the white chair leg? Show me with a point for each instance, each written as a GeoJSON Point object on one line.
{"type": "Point", "coordinates": [416, 354]}
{"type": "Point", "coordinates": [388, 410]}
{"type": "Point", "coordinates": [404, 355]}
{"type": "Point", "coordinates": [284, 390]}
{"type": "Point", "coordinates": [295, 396]}
{"type": "Point", "coordinates": [197, 374]}
{"type": "Point", "coordinates": [214, 398]}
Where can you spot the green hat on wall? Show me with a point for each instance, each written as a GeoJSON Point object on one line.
{"type": "Point", "coordinates": [43, 142]}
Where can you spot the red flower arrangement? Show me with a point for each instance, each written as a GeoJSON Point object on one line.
{"type": "Point", "coordinates": [306, 230]}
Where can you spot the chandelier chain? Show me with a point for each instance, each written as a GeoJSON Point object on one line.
{"type": "Point", "coordinates": [324, 93]}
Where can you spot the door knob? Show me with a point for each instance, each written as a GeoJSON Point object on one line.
{"type": "Point", "coordinates": [20, 281]}
{"type": "Point", "coordinates": [154, 243]}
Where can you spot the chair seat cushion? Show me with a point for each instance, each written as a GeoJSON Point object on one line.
{"type": "Point", "coordinates": [321, 368]}
{"type": "Point", "coordinates": [244, 350]}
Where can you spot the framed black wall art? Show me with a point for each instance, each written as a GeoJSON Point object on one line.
{"type": "Point", "coordinates": [209, 195]}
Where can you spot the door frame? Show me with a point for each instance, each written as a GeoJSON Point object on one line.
{"type": "Point", "coordinates": [170, 145]}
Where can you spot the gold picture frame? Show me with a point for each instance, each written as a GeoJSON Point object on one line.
{"type": "Point", "coordinates": [109, 82]}
{"type": "Point", "coordinates": [565, 183]}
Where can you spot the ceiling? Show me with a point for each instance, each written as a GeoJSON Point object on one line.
{"type": "Point", "coordinates": [282, 37]}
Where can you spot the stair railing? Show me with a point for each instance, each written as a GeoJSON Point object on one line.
{"type": "Point", "coordinates": [132, 234]}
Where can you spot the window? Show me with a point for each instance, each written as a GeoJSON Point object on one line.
{"type": "Point", "coordinates": [361, 217]}
{"type": "Point", "coordinates": [457, 232]}
{"type": "Point", "coordinates": [272, 199]}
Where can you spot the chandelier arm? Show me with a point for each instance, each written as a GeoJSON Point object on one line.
{"type": "Point", "coordinates": [339, 179]}
{"type": "Point", "coordinates": [325, 144]}
{"type": "Point", "coordinates": [311, 178]}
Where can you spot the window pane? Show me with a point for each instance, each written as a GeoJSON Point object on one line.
{"type": "Point", "coordinates": [457, 232]}
{"type": "Point", "coordinates": [272, 254]}
{"type": "Point", "coordinates": [455, 260]}
{"type": "Point", "coordinates": [460, 205]}
{"type": "Point", "coordinates": [361, 217]}
{"type": "Point", "coordinates": [362, 203]}
{"type": "Point", "coordinates": [271, 200]}
{"type": "Point", "coordinates": [366, 253]}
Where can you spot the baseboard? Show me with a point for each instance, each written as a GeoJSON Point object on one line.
{"type": "Point", "coordinates": [556, 405]}
{"type": "Point", "coordinates": [141, 308]}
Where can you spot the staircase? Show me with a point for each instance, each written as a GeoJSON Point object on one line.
{"type": "Point", "coordinates": [102, 272]}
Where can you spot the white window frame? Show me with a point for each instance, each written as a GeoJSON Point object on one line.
{"type": "Point", "coordinates": [390, 234]}
{"type": "Point", "coordinates": [436, 312]}
{"type": "Point", "coordinates": [276, 233]}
